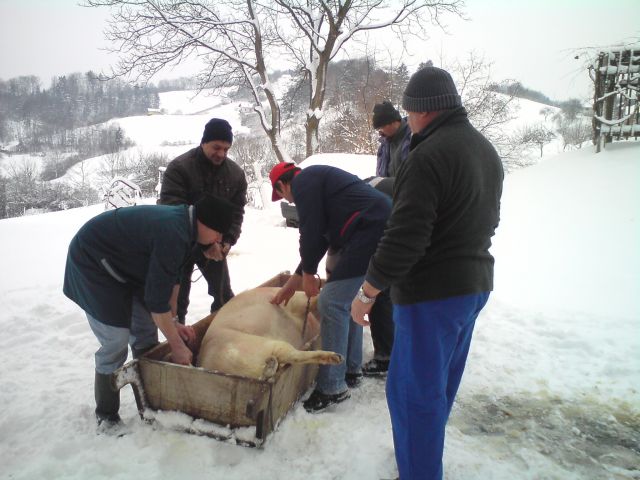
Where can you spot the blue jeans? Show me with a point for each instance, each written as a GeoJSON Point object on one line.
{"type": "Point", "coordinates": [339, 334]}
{"type": "Point", "coordinates": [427, 361]}
{"type": "Point", "coordinates": [114, 340]}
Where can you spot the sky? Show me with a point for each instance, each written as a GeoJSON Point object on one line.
{"type": "Point", "coordinates": [551, 385]}
{"type": "Point", "coordinates": [533, 42]}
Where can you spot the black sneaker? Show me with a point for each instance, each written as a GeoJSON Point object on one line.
{"type": "Point", "coordinates": [375, 368]}
{"type": "Point", "coordinates": [353, 379]}
{"type": "Point", "coordinates": [318, 401]}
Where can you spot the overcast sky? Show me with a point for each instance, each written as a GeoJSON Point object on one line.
{"type": "Point", "coordinates": [532, 42]}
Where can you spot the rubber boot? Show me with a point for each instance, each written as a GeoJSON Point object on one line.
{"type": "Point", "coordinates": [107, 402]}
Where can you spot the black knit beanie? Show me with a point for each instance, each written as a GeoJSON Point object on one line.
{"type": "Point", "coordinates": [384, 113]}
{"type": "Point", "coordinates": [217, 129]}
{"type": "Point", "coordinates": [215, 212]}
{"type": "Point", "coordinates": [430, 90]}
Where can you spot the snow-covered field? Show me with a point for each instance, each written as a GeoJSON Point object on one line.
{"type": "Point", "coordinates": [550, 390]}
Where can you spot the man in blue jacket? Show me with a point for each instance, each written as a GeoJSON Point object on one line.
{"type": "Point", "coordinates": [123, 269]}
{"type": "Point", "coordinates": [435, 256]}
{"type": "Point", "coordinates": [341, 213]}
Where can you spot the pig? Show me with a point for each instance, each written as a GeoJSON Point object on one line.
{"type": "Point", "coordinates": [251, 337]}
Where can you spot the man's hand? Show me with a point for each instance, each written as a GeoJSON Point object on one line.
{"type": "Point", "coordinates": [310, 284]}
{"type": "Point", "coordinates": [359, 309]}
{"type": "Point", "coordinates": [181, 354]}
{"type": "Point", "coordinates": [288, 289]}
{"type": "Point", "coordinates": [187, 334]}
{"type": "Point", "coordinates": [176, 334]}
{"type": "Point", "coordinates": [214, 252]}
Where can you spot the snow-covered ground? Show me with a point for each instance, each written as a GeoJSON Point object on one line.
{"type": "Point", "coordinates": [550, 391]}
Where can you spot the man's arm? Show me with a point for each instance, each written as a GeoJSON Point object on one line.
{"type": "Point", "coordinates": [175, 335]}
{"type": "Point", "coordinates": [407, 234]}
{"type": "Point", "coordinates": [175, 186]}
{"type": "Point", "coordinates": [173, 301]}
{"type": "Point", "coordinates": [239, 199]}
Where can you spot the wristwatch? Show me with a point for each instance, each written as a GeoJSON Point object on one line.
{"type": "Point", "coordinates": [363, 297]}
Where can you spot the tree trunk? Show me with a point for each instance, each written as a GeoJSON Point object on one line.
{"type": "Point", "coordinates": [311, 131]}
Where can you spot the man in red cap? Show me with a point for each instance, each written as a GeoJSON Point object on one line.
{"type": "Point", "coordinates": [340, 213]}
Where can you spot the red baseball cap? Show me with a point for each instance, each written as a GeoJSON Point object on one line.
{"type": "Point", "coordinates": [275, 174]}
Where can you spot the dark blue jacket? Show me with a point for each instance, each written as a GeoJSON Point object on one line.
{"type": "Point", "coordinates": [132, 251]}
{"type": "Point", "coordinates": [393, 151]}
{"type": "Point", "coordinates": [338, 210]}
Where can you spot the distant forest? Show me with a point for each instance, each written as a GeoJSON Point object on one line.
{"type": "Point", "coordinates": [45, 118]}
{"type": "Point", "coordinates": [518, 90]}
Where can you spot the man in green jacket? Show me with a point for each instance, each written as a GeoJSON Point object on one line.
{"type": "Point", "coordinates": [435, 256]}
{"type": "Point", "coordinates": [123, 269]}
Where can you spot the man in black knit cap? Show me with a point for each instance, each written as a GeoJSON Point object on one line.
{"type": "Point", "coordinates": [395, 136]}
{"type": "Point", "coordinates": [123, 269]}
{"type": "Point", "coordinates": [435, 256]}
{"type": "Point", "coordinates": [206, 169]}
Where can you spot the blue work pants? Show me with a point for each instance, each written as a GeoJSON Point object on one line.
{"type": "Point", "coordinates": [427, 361]}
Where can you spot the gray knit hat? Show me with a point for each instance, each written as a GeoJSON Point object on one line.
{"type": "Point", "coordinates": [429, 90]}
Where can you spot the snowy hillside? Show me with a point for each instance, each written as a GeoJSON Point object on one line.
{"type": "Point", "coordinates": [550, 392]}
{"type": "Point", "coordinates": [180, 126]}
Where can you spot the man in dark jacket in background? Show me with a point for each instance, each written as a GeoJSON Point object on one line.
{"type": "Point", "coordinates": [123, 270]}
{"type": "Point", "coordinates": [207, 170]}
{"type": "Point", "coordinates": [395, 136]}
{"type": "Point", "coordinates": [337, 211]}
{"type": "Point", "coordinates": [435, 256]}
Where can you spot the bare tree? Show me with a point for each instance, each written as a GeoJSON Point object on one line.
{"type": "Point", "coordinates": [355, 86]}
{"type": "Point", "coordinates": [538, 135]}
{"type": "Point", "coordinates": [21, 187]}
{"type": "Point", "coordinates": [574, 132]}
{"type": "Point", "coordinates": [255, 158]}
{"type": "Point", "coordinates": [488, 110]}
{"type": "Point", "coordinates": [243, 40]}
{"type": "Point", "coordinates": [83, 193]}
{"type": "Point", "coordinates": [547, 112]}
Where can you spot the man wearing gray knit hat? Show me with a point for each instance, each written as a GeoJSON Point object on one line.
{"type": "Point", "coordinates": [434, 255]}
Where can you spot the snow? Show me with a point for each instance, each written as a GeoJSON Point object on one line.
{"type": "Point", "coordinates": [550, 390]}
{"type": "Point", "coordinates": [363, 166]}
{"type": "Point", "coordinates": [188, 102]}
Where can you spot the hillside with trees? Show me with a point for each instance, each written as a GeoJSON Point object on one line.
{"type": "Point", "coordinates": [353, 86]}
{"type": "Point", "coordinates": [36, 118]}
